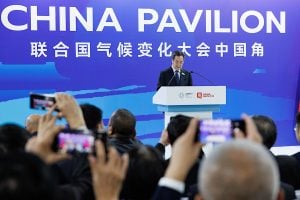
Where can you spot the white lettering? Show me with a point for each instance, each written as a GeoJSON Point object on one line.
{"type": "Point", "coordinates": [271, 18]}
{"type": "Point", "coordinates": [109, 12]}
{"type": "Point", "coordinates": [35, 18]}
{"type": "Point", "coordinates": [141, 18]}
{"type": "Point", "coordinates": [62, 19]}
{"type": "Point", "coordinates": [164, 24]}
{"type": "Point", "coordinates": [256, 14]}
{"type": "Point", "coordinates": [5, 15]}
{"type": "Point", "coordinates": [208, 21]}
{"type": "Point", "coordinates": [190, 26]}
{"type": "Point", "coordinates": [218, 28]}
{"type": "Point", "coordinates": [69, 18]}
{"type": "Point", "coordinates": [76, 15]}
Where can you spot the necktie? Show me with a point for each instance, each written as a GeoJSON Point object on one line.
{"type": "Point", "coordinates": [177, 77]}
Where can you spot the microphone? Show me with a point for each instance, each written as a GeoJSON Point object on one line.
{"type": "Point", "coordinates": [192, 72]}
{"type": "Point", "coordinates": [171, 79]}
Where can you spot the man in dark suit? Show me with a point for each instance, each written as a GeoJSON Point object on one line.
{"type": "Point", "coordinates": [175, 75]}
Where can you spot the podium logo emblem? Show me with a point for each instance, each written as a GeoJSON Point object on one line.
{"type": "Point", "coordinates": [199, 95]}
{"type": "Point", "coordinates": [181, 95]}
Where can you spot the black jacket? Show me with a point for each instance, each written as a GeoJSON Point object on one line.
{"type": "Point", "coordinates": [167, 78]}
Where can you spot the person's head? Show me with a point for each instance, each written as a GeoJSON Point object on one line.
{"type": "Point", "coordinates": [240, 170]}
{"type": "Point", "coordinates": [13, 138]}
{"type": "Point", "coordinates": [146, 167]}
{"type": "Point", "coordinates": [24, 176]}
{"type": "Point", "coordinates": [32, 123]}
{"type": "Point", "coordinates": [177, 59]}
{"type": "Point", "coordinates": [177, 126]}
{"type": "Point", "coordinates": [92, 116]}
{"type": "Point", "coordinates": [267, 129]}
{"type": "Point", "coordinates": [297, 127]}
{"type": "Point", "coordinates": [122, 123]}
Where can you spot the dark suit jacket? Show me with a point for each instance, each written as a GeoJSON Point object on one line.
{"type": "Point", "coordinates": [162, 193]}
{"type": "Point", "coordinates": [168, 74]}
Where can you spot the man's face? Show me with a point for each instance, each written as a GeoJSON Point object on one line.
{"type": "Point", "coordinates": [177, 62]}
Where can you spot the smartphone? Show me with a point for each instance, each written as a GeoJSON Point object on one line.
{"type": "Point", "coordinates": [218, 130]}
{"type": "Point", "coordinates": [41, 101]}
{"type": "Point", "coordinates": [72, 142]}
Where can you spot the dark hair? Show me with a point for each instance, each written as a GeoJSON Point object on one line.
{"type": "Point", "coordinates": [24, 176]}
{"type": "Point", "coordinates": [92, 116]}
{"type": "Point", "coordinates": [177, 126]}
{"type": "Point", "coordinates": [177, 53]}
{"type": "Point", "coordinates": [298, 119]}
{"type": "Point", "coordinates": [123, 123]}
{"type": "Point", "coordinates": [12, 138]}
{"type": "Point", "coordinates": [267, 129]}
{"type": "Point", "coordinates": [146, 167]}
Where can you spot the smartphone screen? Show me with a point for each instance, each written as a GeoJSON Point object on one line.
{"type": "Point", "coordinates": [71, 142]}
{"type": "Point", "coordinates": [41, 101]}
{"type": "Point", "coordinates": [218, 130]}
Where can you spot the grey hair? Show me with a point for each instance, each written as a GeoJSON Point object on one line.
{"type": "Point", "coordinates": [239, 170]}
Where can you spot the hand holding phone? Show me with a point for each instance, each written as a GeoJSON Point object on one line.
{"type": "Point", "coordinates": [41, 101]}
{"type": "Point", "coordinates": [71, 141]}
{"type": "Point", "coordinates": [218, 130]}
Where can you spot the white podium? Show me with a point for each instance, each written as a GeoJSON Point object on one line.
{"type": "Point", "coordinates": [194, 101]}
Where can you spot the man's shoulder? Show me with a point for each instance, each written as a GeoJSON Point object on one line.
{"type": "Point", "coordinates": [184, 71]}
{"type": "Point", "coordinates": [167, 70]}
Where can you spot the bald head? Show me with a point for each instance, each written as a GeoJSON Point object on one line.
{"type": "Point", "coordinates": [32, 123]}
{"type": "Point", "coordinates": [240, 170]}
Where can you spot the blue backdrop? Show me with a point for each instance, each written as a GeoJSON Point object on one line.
{"type": "Point", "coordinates": [110, 52]}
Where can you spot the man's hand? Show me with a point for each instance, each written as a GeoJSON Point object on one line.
{"type": "Point", "coordinates": [42, 143]}
{"type": "Point", "coordinates": [251, 130]}
{"type": "Point", "coordinates": [185, 152]}
{"type": "Point", "coordinates": [108, 175]}
{"type": "Point", "coordinates": [69, 109]}
{"type": "Point", "coordinates": [164, 138]}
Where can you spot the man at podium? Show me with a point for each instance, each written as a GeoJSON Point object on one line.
{"type": "Point", "coordinates": [175, 75]}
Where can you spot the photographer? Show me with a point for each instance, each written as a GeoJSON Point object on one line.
{"type": "Point", "coordinates": [73, 174]}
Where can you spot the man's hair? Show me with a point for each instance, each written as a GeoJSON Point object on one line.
{"type": "Point", "coordinates": [92, 116]}
{"type": "Point", "coordinates": [146, 167]}
{"type": "Point", "coordinates": [298, 119]}
{"type": "Point", "coordinates": [240, 170]}
{"type": "Point", "coordinates": [177, 53]}
{"type": "Point", "coordinates": [13, 138]}
{"type": "Point", "coordinates": [177, 126]}
{"type": "Point", "coordinates": [24, 176]}
{"type": "Point", "coordinates": [32, 123]}
{"type": "Point", "coordinates": [123, 123]}
{"type": "Point", "coordinates": [267, 129]}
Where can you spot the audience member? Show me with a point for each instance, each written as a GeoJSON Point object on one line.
{"type": "Point", "coordinates": [176, 127]}
{"type": "Point", "coordinates": [13, 138]}
{"type": "Point", "coordinates": [240, 170]}
{"type": "Point", "coordinates": [32, 123]}
{"type": "Point", "coordinates": [267, 129]}
{"type": "Point", "coordinates": [146, 167]}
{"type": "Point", "coordinates": [108, 172]}
{"type": "Point", "coordinates": [93, 117]}
{"type": "Point", "coordinates": [262, 171]}
{"type": "Point", "coordinates": [24, 176]}
{"type": "Point", "coordinates": [74, 174]}
{"type": "Point", "coordinates": [288, 166]}
{"type": "Point", "coordinates": [121, 131]}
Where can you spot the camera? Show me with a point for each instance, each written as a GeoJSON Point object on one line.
{"type": "Point", "coordinates": [72, 142]}
{"type": "Point", "coordinates": [41, 101]}
{"type": "Point", "coordinates": [218, 130]}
